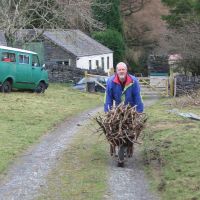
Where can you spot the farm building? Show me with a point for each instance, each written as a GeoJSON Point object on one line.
{"type": "Point", "coordinates": [75, 48]}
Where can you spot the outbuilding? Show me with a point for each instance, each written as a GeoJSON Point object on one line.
{"type": "Point", "coordinates": [75, 48]}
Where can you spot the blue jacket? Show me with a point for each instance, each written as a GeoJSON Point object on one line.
{"type": "Point", "coordinates": [131, 93]}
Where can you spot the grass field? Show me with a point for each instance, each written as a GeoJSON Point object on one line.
{"type": "Point", "coordinates": [82, 172]}
{"type": "Point", "coordinates": [171, 152]}
{"type": "Point", "coordinates": [25, 116]}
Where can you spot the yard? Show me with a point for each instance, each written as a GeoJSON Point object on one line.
{"type": "Point", "coordinates": [171, 150]}
{"type": "Point", "coordinates": [170, 147]}
{"type": "Point", "coordinates": [170, 153]}
{"type": "Point", "coordinates": [25, 116]}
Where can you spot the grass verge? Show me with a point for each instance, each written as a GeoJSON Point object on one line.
{"type": "Point", "coordinates": [82, 172]}
{"type": "Point", "coordinates": [25, 116]}
{"type": "Point", "coordinates": [171, 152]}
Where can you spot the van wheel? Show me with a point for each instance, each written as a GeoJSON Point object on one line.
{"type": "Point", "coordinates": [6, 87]}
{"type": "Point", "coordinates": [40, 88]}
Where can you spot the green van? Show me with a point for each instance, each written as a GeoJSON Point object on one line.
{"type": "Point", "coordinates": [21, 69]}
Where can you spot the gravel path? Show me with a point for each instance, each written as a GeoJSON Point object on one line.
{"type": "Point", "coordinates": [129, 183]}
{"type": "Point", "coordinates": [28, 174]}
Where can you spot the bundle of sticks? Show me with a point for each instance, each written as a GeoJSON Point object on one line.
{"type": "Point", "coordinates": [122, 124]}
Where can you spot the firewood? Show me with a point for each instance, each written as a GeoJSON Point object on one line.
{"type": "Point", "coordinates": [122, 124]}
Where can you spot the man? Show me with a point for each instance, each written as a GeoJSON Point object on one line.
{"type": "Point", "coordinates": [123, 86]}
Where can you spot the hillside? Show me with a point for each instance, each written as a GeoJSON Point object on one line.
{"type": "Point", "coordinates": [144, 29]}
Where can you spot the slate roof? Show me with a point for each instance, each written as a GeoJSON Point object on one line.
{"type": "Point", "coordinates": [2, 39]}
{"type": "Point", "coordinates": [77, 42]}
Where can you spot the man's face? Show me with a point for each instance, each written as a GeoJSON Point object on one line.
{"type": "Point", "coordinates": [121, 72]}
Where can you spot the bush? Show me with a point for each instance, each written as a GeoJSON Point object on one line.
{"type": "Point", "coordinates": [113, 40]}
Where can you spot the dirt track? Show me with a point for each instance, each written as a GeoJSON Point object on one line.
{"type": "Point", "coordinates": [28, 173]}
{"type": "Point", "coordinates": [129, 183]}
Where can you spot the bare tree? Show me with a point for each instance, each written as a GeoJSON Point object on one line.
{"type": "Point", "coordinates": [18, 15]}
{"type": "Point", "coordinates": [78, 13]}
{"type": "Point", "coordinates": [185, 40]}
{"type": "Point", "coordinates": [39, 15]}
{"type": "Point", "coordinates": [129, 7]}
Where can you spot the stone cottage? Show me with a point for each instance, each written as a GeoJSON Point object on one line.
{"type": "Point", "coordinates": [75, 48]}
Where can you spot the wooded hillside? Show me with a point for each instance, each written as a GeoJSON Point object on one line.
{"type": "Point", "coordinates": [144, 30]}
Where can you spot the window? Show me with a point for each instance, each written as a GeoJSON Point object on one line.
{"type": "Point", "coordinates": [35, 61]}
{"type": "Point", "coordinates": [8, 57]}
{"type": "Point", "coordinates": [102, 62]}
{"type": "Point", "coordinates": [97, 64]}
{"type": "Point", "coordinates": [90, 64]}
{"type": "Point", "coordinates": [108, 62]}
{"type": "Point", "coordinates": [23, 59]}
{"type": "Point", "coordinates": [64, 62]}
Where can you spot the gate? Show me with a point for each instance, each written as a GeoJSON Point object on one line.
{"type": "Point", "coordinates": [154, 86]}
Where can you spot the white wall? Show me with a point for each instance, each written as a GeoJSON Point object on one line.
{"type": "Point", "coordinates": [83, 62]}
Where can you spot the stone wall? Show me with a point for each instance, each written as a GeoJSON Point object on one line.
{"type": "Point", "coordinates": [186, 84]}
{"type": "Point", "coordinates": [66, 74]}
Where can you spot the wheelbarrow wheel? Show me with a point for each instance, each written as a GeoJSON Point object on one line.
{"type": "Point", "coordinates": [121, 156]}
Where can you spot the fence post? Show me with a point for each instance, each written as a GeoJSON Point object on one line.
{"type": "Point", "coordinates": [175, 87]}
{"type": "Point", "coordinates": [171, 81]}
{"type": "Point", "coordinates": [167, 87]}
{"type": "Point", "coordinates": [86, 76]}
{"type": "Point", "coordinates": [111, 71]}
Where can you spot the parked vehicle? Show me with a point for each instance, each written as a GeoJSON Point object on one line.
{"type": "Point", "coordinates": [81, 85]}
{"type": "Point", "coordinates": [21, 69]}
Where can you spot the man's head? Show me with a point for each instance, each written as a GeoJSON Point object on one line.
{"type": "Point", "coordinates": [121, 70]}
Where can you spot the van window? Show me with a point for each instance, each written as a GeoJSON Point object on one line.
{"type": "Point", "coordinates": [35, 61]}
{"type": "Point", "coordinates": [8, 57]}
{"type": "Point", "coordinates": [23, 59]}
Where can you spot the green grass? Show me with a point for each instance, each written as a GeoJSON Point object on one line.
{"type": "Point", "coordinates": [172, 151]}
{"type": "Point", "coordinates": [82, 172]}
{"type": "Point", "coordinates": [26, 116]}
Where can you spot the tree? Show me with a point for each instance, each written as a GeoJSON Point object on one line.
{"type": "Point", "coordinates": [109, 16]}
{"type": "Point", "coordinates": [128, 7]}
{"type": "Point", "coordinates": [113, 40]}
{"type": "Point", "coordinates": [39, 15]}
{"type": "Point", "coordinates": [184, 32]}
{"type": "Point", "coordinates": [181, 9]}
{"type": "Point", "coordinates": [185, 40]}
